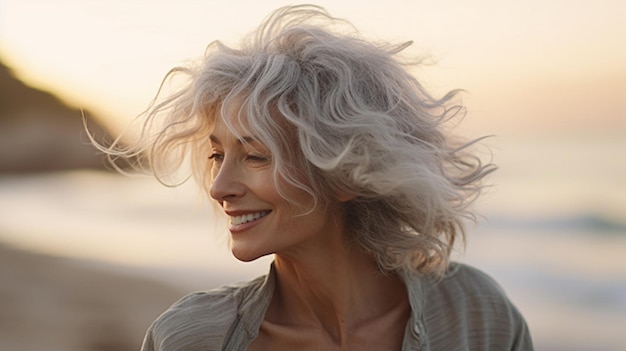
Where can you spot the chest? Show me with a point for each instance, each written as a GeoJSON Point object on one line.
{"type": "Point", "coordinates": [381, 335]}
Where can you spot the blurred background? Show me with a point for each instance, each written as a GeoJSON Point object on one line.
{"type": "Point", "coordinates": [88, 258]}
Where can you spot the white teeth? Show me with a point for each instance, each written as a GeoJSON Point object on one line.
{"type": "Point", "coordinates": [235, 220]}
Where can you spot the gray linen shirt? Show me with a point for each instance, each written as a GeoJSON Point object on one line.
{"type": "Point", "coordinates": [467, 310]}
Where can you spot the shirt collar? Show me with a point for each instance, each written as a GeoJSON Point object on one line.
{"type": "Point", "coordinates": [255, 302]}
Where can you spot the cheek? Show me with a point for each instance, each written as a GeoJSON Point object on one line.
{"type": "Point", "coordinates": [266, 188]}
{"type": "Point", "coordinates": [213, 169]}
{"type": "Point", "coordinates": [299, 201]}
{"type": "Point", "coordinates": [211, 174]}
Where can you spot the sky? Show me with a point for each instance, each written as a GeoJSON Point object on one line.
{"type": "Point", "coordinates": [540, 66]}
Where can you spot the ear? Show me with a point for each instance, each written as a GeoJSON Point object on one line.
{"type": "Point", "coordinates": [343, 196]}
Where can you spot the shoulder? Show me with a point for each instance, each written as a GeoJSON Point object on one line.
{"type": "Point", "coordinates": [469, 306]}
{"type": "Point", "coordinates": [200, 320]}
{"type": "Point", "coordinates": [463, 292]}
{"type": "Point", "coordinates": [467, 282]}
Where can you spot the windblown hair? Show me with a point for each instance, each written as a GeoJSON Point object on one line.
{"type": "Point", "coordinates": [340, 115]}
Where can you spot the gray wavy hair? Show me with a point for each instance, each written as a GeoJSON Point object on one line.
{"type": "Point", "coordinates": [340, 115]}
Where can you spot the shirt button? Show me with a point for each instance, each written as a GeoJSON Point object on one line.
{"type": "Point", "coordinates": [416, 329]}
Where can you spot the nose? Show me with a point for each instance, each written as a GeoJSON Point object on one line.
{"type": "Point", "coordinates": [227, 182]}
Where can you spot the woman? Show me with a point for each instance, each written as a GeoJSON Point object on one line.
{"type": "Point", "coordinates": [322, 150]}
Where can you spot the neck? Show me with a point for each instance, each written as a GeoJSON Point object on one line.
{"type": "Point", "coordinates": [338, 289]}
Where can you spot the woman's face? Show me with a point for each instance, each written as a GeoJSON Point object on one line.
{"type": "Point", "coordinates": [261, 222]}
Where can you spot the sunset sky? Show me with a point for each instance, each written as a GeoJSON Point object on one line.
{"type": "Point", "coordinates": [532, 66]}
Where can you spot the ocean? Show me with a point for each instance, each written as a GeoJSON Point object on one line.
{"type": "Point", "coordinates": [552, 232]}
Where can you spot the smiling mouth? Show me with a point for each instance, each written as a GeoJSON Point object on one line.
{"type": "Point", "coordinates": [236, 220]}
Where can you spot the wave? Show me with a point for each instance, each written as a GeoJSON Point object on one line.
{"type": "Point", "coordinates": [589, 222]}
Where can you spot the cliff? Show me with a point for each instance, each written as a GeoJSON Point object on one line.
{"type": "Point", "coordinates": [39, 133]}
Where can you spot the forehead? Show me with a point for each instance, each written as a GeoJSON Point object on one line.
{"type": "Point", "coordinates": [230, 117]}
{"type": "Point", "coordinates": [221, 132]}
{"type": "Point", "coordinates": [243, 117]}
{"type": "Point", "coordinates": [231, 125]}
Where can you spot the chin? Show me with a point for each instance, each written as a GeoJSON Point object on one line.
{"type": "Point", "coordinates": [246, 256]}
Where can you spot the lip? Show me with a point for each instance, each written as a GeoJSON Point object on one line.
{"type": "Point", "coordinates": [238, 228]}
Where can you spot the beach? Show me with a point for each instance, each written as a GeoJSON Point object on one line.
{"type": "Point", "coordinates": [52, 303]}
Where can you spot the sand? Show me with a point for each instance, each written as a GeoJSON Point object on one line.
{"type": "Point", "coordinates": [53, 303]}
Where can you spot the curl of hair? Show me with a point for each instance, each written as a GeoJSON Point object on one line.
{"type": "Point", "coordinates": [361, 124]}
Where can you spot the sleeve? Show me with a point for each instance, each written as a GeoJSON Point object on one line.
{"type": "Point", "coordinates": [197, 322]}
{"type": "Point", "coordinates": [148, 341]}
{"type": "Point", "coordinates": [506, 326]}
{"type": "Point", "coordinates": [469, 310]}
{"type": "Point", "coordinates": [521, 340]}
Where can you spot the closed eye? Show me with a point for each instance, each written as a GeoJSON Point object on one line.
{"type": "Point", "coordinates": [217, 157]}
{"type": "Point", "coordinates": [257, 158]}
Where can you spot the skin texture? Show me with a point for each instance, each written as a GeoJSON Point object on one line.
{"type": "Point", "coordinates": [330, 294]}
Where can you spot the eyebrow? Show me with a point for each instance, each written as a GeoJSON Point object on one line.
{"type": "Point", "coordinates": [242, 140]}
